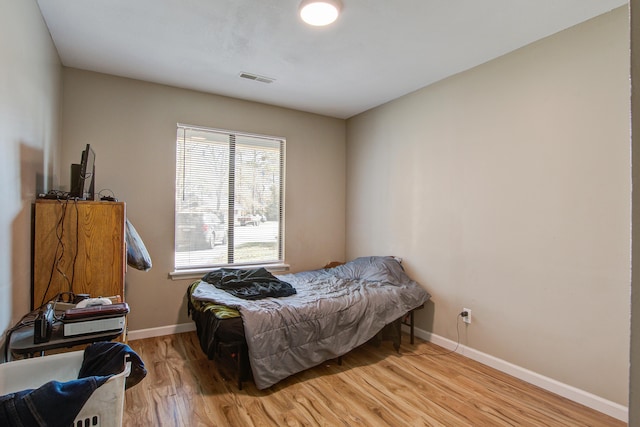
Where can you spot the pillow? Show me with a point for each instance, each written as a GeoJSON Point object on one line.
{"type": "Point", "coordinates": [137, 254]}
{"type": "Point", "coordinates": [333, 264]}
{"type": "Point", "coordinates": [374, 269]}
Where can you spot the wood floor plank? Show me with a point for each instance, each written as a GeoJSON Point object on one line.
{"type": "Point", "coordinates": [374, 386]}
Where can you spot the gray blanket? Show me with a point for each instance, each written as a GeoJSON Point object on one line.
{"type": "Point", "coordinates": [334, 311]}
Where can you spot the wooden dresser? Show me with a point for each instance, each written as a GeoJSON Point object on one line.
{"type": "Point", "coordinates": [78, 247]}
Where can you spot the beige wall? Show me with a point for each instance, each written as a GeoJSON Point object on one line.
{"type": "Point", "coordinates": [634, 388]}
{"type": "Point", "coordinates": [506, 190]}
{"type": "Point", "coordinates": [132, 127]}
{"type": "Point", "coordinates": [30, 85]}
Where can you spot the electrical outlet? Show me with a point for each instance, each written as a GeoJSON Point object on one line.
{"type": "Point", "coordinates": [467, 318]}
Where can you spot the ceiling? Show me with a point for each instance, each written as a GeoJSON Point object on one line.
{"type": "Point", "coordinates": [376, 51]}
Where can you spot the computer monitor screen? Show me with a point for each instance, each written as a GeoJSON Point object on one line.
{"type": "Point", "coordinates": [83, 176]}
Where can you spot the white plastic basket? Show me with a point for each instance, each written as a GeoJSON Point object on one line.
{"type": "Point", "coordinates": [103, 409]}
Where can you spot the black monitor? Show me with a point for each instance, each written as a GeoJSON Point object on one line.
{"type": "Point", "coordinates": [83, 176]}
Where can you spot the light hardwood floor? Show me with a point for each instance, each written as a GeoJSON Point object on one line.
{"type": "Point", "coordinates": [374, 386]}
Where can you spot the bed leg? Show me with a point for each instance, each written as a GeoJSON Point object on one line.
{"type": "Point", "coordinates": [238, 348]}
{"type": "Point", "coordinates": [339, 360]}
{"type": "Point", "coordinates": [239, 366]}
{"type": "Point", "coordinates": [398, 339]}
{"type": "Point", "coordinates": [232, 360]}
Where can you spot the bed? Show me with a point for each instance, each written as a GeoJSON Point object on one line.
{"type": "Point", "coordinates": [325, 314]}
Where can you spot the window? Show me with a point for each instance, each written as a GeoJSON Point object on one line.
{"type": "Point", "coordinates": [229, 199]}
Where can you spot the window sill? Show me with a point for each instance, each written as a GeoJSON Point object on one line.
{"type": "Point", "coordinates": [197, 273]}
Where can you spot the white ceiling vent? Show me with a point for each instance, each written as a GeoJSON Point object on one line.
{"type": "Point", "coordinates": [261, 79]}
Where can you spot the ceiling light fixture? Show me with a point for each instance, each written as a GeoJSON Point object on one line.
{"type": "Point", "coordinates": [320, 12]}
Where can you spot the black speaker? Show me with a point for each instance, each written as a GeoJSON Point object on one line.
{"type": "Point", "coordinates": [43, 325]}
{"type": "Point", "coordinates": [76, 182]}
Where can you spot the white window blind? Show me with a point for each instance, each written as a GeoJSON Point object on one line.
{"type": "Point", "coordinates": [229, 199]}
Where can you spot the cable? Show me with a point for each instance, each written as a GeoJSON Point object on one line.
{"type": "Point", "coordinates": [101, 194]}
{"type": "Point", "coordinates": [30, 318]}
{"type": "Point", "coordinates": [60, 250]}
{"type": "Point", "coordinates": [75, 256]}
{"type": "Point", "coordinates": [55, 259]}
{"type": "Point", "coordinates": [460, 315]}
{"type": "Point", "coordinates": [55, 195]}
{"type": "Point", "coordinates": [24, 321]}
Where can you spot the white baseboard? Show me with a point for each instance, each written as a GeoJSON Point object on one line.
{"type": "Point", "coordinates": [582, 397]}
{"type": "Point", "coordinates": [161, 331]}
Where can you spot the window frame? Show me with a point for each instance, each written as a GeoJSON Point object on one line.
{"type": "Point", "coordinates": [272, 265]}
